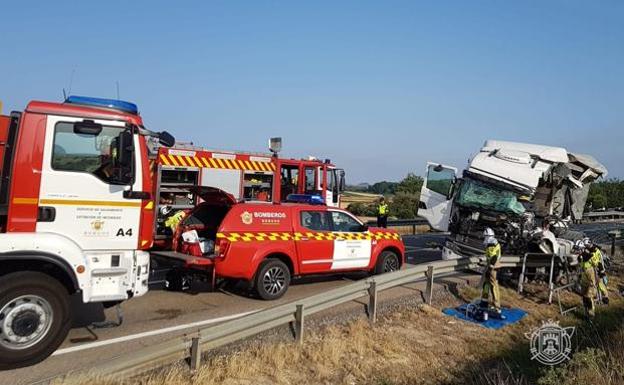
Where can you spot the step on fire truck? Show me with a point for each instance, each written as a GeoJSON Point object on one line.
{"type": "Point", "coordinates": [77, 216]}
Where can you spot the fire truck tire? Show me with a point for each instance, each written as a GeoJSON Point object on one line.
{"type": "Point", "coordinates": [35, 317]}
{"type": "Point", "coordinates": [386, 262]}
{"type": "Point", "coordinates": [272, 279]}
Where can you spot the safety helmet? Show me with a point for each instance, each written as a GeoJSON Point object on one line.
{"type": "Point", "coordinates": [587, 242]}
{"type": "Point", "coordinates": [488, 232]}
{"type": "Point", "coordinates": [165, 210]}
{"type": "Point", "coordinates": [490, 241]}
{"type": "Point", "coordinates": [579, 245]}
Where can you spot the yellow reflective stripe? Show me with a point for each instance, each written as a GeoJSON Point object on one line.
{"type": "Point", "coordinates": [77, 202]}
{"type": "Point", "coordinates": [248, 165]}
{"type": "Point", "coordinates": [164, 160]}
{"type": "Point", "coordinates": [181, 160]}
{"type": "Point", "coordinates": [25, 201]}
{"type": "Point", "coordinates": [173, 160]}
{"type": "Point", "coordinates": [190, 161]}
{"type": "Point", "coordinates": [317, 236]}
{"type": "Point", "coordinates": [149, 205]}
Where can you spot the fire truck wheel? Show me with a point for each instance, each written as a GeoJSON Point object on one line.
{"type": "Point", "coordinates": [272, 279]}
{"type": "Point", "coordinates": [35, 318]}
{"type": "Point", "coordinates": [386, 262]}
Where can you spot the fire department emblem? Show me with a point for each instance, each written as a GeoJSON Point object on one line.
{"type": "Point", "coordinates": [247, 218]}
{"type": "Point", "coordinates": [551, 344]}
{"type": "Point", "coordinates": [97, 225]}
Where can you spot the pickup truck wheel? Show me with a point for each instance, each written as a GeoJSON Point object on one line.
{"type": "Point", "coordinates": [272, 279]}
{"type": "Point", "coordinates": [35, 318]}
{"type": "Point", "coordinates": [386, 262]}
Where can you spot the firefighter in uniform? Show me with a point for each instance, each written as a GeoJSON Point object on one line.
{"type": "Point", "coordinates": [587, 278]}
{"type": "Point", "coordinates": [382, 213]}
{"type": "Point", "coordinates": [599, 266]}
{"type": "Point", "coordinates": [591, 266]}
{"type": "Point", "coordinates": [490, 281]}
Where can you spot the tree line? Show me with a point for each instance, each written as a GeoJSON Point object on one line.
{"type": "Point", "coordinates": [606, 194]}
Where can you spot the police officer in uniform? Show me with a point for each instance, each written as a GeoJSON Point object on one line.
{"type": "Point", "coordinates": [490, 281]}
{"type": "Point", "coordinates": [382, 213]}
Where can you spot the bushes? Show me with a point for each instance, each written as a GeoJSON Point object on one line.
{"type": "Point", "coordinates": [404, 205]}
{"type": "Point", "coordinates": [363, 209]}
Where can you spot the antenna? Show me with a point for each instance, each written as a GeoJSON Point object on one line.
{"type": "Point", "coordinates": [71, 82]}
{"type": "Point", "coordinates": [117, 83]}
{"type": "Point", "coordinates": [64, 95]}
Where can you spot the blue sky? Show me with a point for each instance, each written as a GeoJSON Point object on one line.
{"type": "Point", "coordinates": [378, 87]}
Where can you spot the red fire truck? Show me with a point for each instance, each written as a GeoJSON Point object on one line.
{"type": "Point", "coordinates": [77, 214]}
{"type": "Point", "coordinates": [249, 176]}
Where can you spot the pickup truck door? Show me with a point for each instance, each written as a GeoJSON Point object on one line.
{"type": "Point", "coordinates": [352, 246]}
{"type": "Point", "coordinates": [314, 245]}
{"type": "Point", "coordinates": [436, 195]}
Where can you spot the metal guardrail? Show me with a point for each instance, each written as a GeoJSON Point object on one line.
{"type": "Point", "coordinates": [192, 345]}
{"type": "Point", "coordinates": [403, 222]}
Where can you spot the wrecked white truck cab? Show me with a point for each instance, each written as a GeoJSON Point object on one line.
{"type": "Point", "coordinates": [528, 194]}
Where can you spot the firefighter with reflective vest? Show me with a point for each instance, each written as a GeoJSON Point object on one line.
{"type": "Point", "coordinates": [591, 265]}
{"type": "Point", "coordinates": [490, 281]}
{"type": "Point", "coordinates": [382, 213]}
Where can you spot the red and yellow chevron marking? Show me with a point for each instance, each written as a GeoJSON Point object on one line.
{"type": "Point", "coordinates": [206, 162]}
{"type": "Point", "coordinates": [288, 236]}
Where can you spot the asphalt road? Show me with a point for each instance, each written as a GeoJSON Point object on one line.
{"type": "Point", "coordinates": [161, 314]}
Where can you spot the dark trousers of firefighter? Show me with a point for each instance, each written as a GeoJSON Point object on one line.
{"type": "Point", "coordinates": [382, 221]}
{"type": "Point", "coordinates": [490, 287]}
{"type": "Point", "coordinates": [588, 289]}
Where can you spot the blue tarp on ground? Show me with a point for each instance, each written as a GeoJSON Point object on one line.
{"type": "Point", "coordinates": [512, 316]}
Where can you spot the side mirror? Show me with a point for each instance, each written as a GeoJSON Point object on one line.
{"type": "Point", "coordinates": [364, 228]}
{"type": "Point", "coordinates": [125, 155]}
{"type": "Point", "coordinates": [87, 127]}
{"type": "Point", "coordinates": [341, 184]}
{"type": "Point", "coordinates": [166, 139]}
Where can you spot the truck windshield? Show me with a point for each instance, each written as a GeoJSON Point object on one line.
{"type": "Point", "coordinates": [477, 194]}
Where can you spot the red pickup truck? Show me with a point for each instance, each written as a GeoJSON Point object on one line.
{"type": "Point", "coordinates": [268, 244]}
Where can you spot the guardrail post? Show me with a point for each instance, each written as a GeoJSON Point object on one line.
{"type": "Point", "coordinates": [195, 354]}
{"type": "Point", "coordinates": [614, 235]}
{"type": "Point", "coordinates": [414, 229]}
{"type": "Point", "coordinates": [429, 290]}
{"type": "Point", "coordinates": [299, 324]}
{"type": "Point", "coordinates": [372, 302]}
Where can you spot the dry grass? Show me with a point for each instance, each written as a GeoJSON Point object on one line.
{"type": "Point", "coordinates": [410, 346]}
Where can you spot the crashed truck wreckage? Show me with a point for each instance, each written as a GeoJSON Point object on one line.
{"type": "Point", "coordinates": [528, 194]}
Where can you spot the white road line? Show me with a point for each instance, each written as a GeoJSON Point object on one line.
{"type": "Point", "coordinates": [147, 334]}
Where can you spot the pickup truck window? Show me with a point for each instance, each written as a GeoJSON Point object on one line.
{"type": "Point", "coordinates": [316, 220]}
{"type": "Point", "coordinates": [92, 154]}
{"type": "Point", "coordinates": [345, 222]}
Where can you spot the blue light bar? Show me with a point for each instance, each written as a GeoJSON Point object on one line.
{"type": "Point", "coordinates": [118, 105]}
{"type": "Point", "coordinates": [305, 198]}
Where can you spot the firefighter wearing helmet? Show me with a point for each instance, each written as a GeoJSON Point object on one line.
{"type": "Point", "coordinates": [490, 281]}
{"type": "Point", "coordinates": [591, 265]}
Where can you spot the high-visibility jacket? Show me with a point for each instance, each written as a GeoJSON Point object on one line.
{"type": "Point", "coordinates": [173, 221]}
{"type": "Point", "coordinates": [591, 260]}
{"type": "Point", "coordinates": [383, 209]}
{"type": "Point", "coordinates": [492, 255]}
